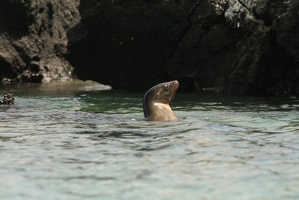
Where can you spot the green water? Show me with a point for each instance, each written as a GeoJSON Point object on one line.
{"type": "Point", "coordinates": [75, 141]}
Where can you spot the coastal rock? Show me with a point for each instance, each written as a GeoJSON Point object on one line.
{"type": "Point", "coordinates": [8, 99]}
{"type": "Point", "coordinates": [33, 39]}
{"type": "Point", "coordinates": [227, 46]}
{"type": "Point", "coordinates": [224, 46]}
{"type": "Point", "coordinates": [125, 44]}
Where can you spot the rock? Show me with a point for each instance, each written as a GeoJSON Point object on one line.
{"type": "Point", "coordinates": [8, 99]}
{"type": "Point", "coordinates": [227, 46]}
{"type": "Point", "coordinates": [126, 43]}
{"type": "Point", "coordinates": [33, 39]}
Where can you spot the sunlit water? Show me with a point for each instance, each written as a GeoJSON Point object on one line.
{"type": "Point", "coordinates": [74, 141]}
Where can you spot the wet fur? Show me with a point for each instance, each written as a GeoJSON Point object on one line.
{"type": "Point", "coordinates": [156, 102]}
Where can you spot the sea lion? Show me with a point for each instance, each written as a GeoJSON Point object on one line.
{"type": "Point", "coordinates": [156, 102]}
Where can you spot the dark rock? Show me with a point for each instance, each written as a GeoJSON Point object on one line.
{"type": "Point", "coordinates": [33, 39]}
{"type": "Point", "coordinates": [228, 46]}
{"type": "Point", "coordinates": [8, 99]}
{"type": "Point", "coordinates": [126, 43]}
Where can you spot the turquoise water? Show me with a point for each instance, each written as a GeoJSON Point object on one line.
{"type": "Point", "coordinates": [76, 141]}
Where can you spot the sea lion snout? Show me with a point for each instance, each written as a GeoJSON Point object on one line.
{"type": "Point", "coordinates": [156, 101]}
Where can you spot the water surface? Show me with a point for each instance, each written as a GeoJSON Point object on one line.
{"type": "Point", "coordinates": [81, 141]}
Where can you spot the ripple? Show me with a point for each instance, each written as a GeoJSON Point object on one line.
{"type": "Point", "coordinates": [56, 145]}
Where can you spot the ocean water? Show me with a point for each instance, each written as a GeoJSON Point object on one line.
{"type": "Point", "coordinates": [80, 140]}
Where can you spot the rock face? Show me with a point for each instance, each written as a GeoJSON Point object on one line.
{"type": "Point", "coordinates": [228, 46]}
{"type": "Point", "coordinates": [126, 43]}
{"type": "Point", "coordinates": [33, 39]}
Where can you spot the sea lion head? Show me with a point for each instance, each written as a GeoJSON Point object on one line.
{"type": "Point", "coordinates": [156, 102]}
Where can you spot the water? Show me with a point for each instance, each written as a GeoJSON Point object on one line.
{"type": "Point", "coordinates": [74, 141]}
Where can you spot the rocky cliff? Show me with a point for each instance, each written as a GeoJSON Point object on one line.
{"type": "Point", "coordinates": [33, 39]}
{"type": "Point", "coordinates": [228, 46]}
{"type": "Point", "coordinates": [241, 47]}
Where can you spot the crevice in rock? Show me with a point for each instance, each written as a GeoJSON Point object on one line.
{"type": "Point", "coordinates": [192, 10]}
{"type": "Point", "coordinates": [244, 5]}
{"type": "Point", "coordinates": [50, 18]}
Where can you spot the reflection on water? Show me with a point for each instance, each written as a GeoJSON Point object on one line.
{"type": "Point", "coordinates": [69, 141]}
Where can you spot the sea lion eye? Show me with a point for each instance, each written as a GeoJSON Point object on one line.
{"type": "Point", "coordinates": [166, 87]}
